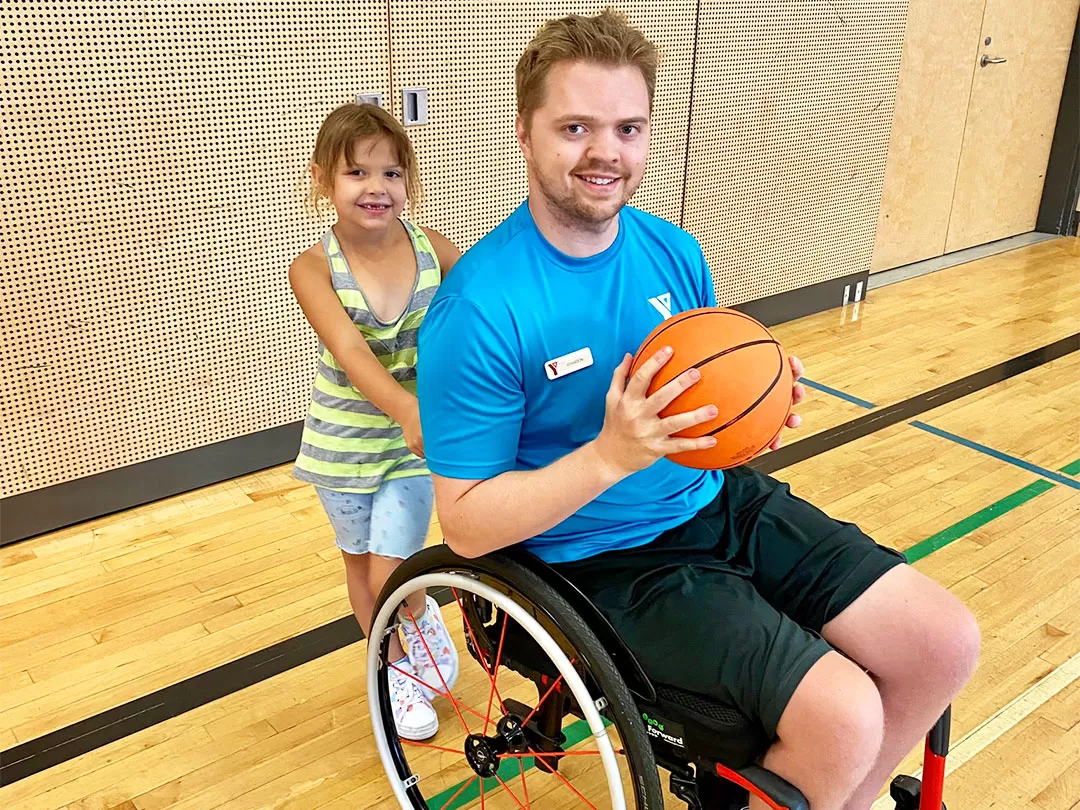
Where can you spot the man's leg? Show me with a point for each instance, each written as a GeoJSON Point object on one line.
{"type": "Point", "coordinates": [829, 734]}
{"type": "Point", "coordinates": [917, 642]}
{"type": "Point", "coordinates": [696, 624]}
{"type": "Point", "coordinates": [921, 645]}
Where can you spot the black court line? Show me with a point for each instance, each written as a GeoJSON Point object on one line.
{"type": "Point", "coordinates": [72, 741]}
{"type": "Point", "coordinates": [41, 753]}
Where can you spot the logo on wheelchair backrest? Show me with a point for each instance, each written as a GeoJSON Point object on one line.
{"type": "Point", "coordinates": [671, 733]}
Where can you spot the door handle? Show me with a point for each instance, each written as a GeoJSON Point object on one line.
{"type": "Point", "coordinates": [992, 60]}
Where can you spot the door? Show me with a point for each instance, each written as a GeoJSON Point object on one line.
{"type": "Point", "coordinates": [1015, 93]}
{"type": "Point", "coordinates": [932, 98]}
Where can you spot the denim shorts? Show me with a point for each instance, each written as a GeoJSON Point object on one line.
{"type": "Point", "coordinates": [391, 522]}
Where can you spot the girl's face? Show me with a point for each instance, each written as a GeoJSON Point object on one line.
{"type": "Point", "coordinates": [369, 192]}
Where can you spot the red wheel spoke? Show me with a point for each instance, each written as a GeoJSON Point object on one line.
{"type": "Point", "coordinates": [432, 747]}
{"type": "Point", "coordinates": [506, 787]}
{"type": "Point", "coordinates": [460, 791]}
{"type": "Point", "coordinates": [551, 754]}
{"type": "Point", "coordinates": [547, 694]}
{"type": "Point", "coordinates": [453, 700]}
{"type": "Point", "coordinates": [492, 674]}
{"type": "Point", "coordinates": [576, 791]}
{"type": "Point", "coordinates": [438, 671]}
{"type": "Point", "coordinates": [498, 660]}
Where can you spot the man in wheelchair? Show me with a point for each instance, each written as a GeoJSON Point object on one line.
{"type": "Point", "coordinates": [724, 585]}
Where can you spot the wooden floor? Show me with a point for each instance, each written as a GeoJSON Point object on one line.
{"type": "Point", "coordinates": [102, 613]}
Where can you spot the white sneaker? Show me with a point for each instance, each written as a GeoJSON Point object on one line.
{"type": "Point", "coordinates": [413, 714]}
{"type": "Point", "coordinates": [431, 630]}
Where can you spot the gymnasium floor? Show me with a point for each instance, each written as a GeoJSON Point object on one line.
{"type": "Point", "coordinates": [192, 653]}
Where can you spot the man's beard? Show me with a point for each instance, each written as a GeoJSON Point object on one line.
{"type": "Point", "coordinates": [574, 212]}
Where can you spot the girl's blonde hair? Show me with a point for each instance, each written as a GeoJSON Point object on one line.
{"type": "Point", "coordinates": [606, 39]}
{"type": "Point", "coordinates": [337, 137]}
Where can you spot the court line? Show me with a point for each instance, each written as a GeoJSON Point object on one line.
{"type": "Point", "coordinates": [915, 406]}
{"type": "Point", "coordinates": [1002, 721]}
{"type": "Point", "coordinates": [836, 392]}
{"type": "Point", "coordinates": [96, 731]}
{"type": "Point", "coordinates": [972, 522]}
{"type": "Point", "coordinates": [61, 745]}
{"type": "Point", "coordinates": [1000, 456]}
{"type": "Point", "coordinates": [995, 510]}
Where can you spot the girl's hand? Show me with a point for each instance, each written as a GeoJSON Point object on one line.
{"type": "Point", "coordinates": [410, 426]}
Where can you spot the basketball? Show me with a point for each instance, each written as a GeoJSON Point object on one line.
{"type": "Point", "coordinates": [744, 373]}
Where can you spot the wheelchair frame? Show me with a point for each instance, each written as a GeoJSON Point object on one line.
{"type": "Point", "coordinates": [709, 749]}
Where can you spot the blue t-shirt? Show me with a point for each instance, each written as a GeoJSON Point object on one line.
{"type": "Point", "coordinates": [489, 400]}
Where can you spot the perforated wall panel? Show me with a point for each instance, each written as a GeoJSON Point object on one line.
{"type": "Point", "coordinates": [153, 164]}
{"type": "Point", "coordinates": [790, 128]}
{"type": "Point", "coordinates": [464, 53]}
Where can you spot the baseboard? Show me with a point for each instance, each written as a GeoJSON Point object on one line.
{"type": "Point", "coordinates": [44, 510]}
{"type": "Point", "coordinates": [788, 306]}
{"type": "Point", "coordinates": [50, 508]}
{"type": "Point", "coordinates": [883, 278]}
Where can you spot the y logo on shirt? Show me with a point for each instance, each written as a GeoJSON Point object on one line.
{"type": "Point", "coordinates": [662, 304]}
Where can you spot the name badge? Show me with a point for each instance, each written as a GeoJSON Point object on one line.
{"type": "Point", "coordinates": [568, 363]}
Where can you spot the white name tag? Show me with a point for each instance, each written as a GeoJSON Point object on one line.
{"type": "Point", "coordinates": [568, 363]}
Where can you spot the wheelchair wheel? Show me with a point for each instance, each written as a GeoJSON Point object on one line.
{"type": "Point", "coordinates": [539, 715]}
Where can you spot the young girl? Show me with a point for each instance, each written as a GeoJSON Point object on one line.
{"type": "Point", "coordinates": [365, 288]}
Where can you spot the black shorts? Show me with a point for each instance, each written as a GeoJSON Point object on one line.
{"type": "Point", "coordinates": [731, 603]}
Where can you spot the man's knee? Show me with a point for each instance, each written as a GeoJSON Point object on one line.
{"type": "Point", "coordinates": [956, 641]}
{"type": "Point", "coordinates": [942, 647]}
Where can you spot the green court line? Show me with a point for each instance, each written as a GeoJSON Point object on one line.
{"type": "Point", "coordinates": [579, 730]}
{"type": "Point", "coordinates": [1071, 469]}
{"type": "Point", "coordinates": [979, 519]}
{"type": "Point", "coordinates": [985, 515]}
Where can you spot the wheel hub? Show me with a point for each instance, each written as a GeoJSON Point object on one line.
{"type": "Point", "coordinates": [482, 753]}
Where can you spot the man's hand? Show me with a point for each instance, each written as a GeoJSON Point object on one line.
{"type": "Point", "coordinates": [634, 436]}
{"type": "Point", "coordinates": [798, 394]}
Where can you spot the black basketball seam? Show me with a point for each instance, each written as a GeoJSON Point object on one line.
{"type": "Point", "coordinates": [746, 345]}
{"type": "Point", "coordinates": [698, 315]}
{"type": "Point", "coordinates": [779, 374]}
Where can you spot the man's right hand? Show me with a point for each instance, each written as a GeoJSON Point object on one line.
{"type": "Point", "coordinates": [634, 436]}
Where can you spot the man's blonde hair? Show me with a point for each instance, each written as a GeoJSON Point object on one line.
{"type": "Point", "coordinates": [606, 39]}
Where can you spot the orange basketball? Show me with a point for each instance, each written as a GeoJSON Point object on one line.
{"type": "Point", "coordinates": [744, 373]}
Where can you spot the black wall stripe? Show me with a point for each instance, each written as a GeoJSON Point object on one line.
{"type": "Point", "coordinates": [1061, 188]}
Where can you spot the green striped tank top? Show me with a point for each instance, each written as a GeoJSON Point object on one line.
{"type": "Point", "coordinates": [348, 444]}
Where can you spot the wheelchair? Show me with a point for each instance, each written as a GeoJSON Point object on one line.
{"type": "Point", "coordinates": [559, 711]}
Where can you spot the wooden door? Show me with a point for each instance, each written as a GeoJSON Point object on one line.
{"type": "Point", "coordinates": [1010, 120]}
{"type": "Point", "coordinates": [940, 46]}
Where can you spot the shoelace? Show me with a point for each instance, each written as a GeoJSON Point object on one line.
{"type": "Point", "coordinates": [399, 682]}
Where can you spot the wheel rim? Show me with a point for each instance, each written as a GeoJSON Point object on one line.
{"type": "Point", "coordinates": [479, 742]}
